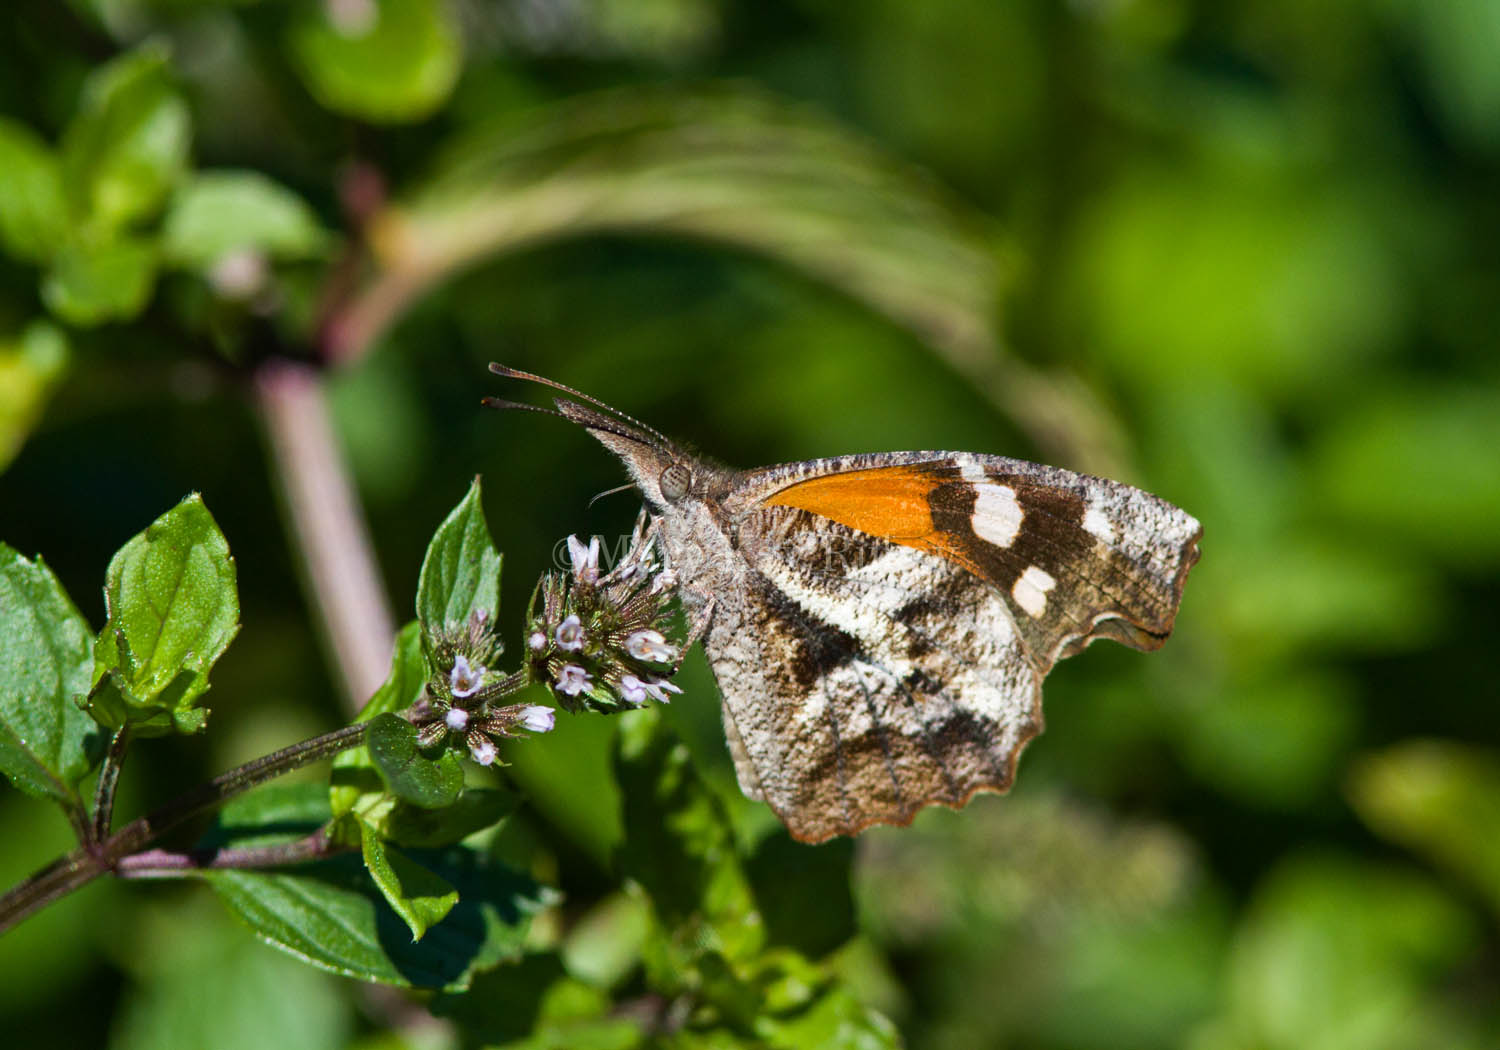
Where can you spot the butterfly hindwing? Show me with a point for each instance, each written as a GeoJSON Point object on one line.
{"type": "Point", "coordinates": [878, 703]}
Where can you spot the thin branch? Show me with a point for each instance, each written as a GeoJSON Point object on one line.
{"type": "Point", "coordinates": [83, 865]}
{"type": "Point", "coordinates": [163, 864]}
{"type": "Point", "coordinates": [326, 526]}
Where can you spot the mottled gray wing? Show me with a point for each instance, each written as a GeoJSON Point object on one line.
{"type": "Point", "coordinates": [863, 680]}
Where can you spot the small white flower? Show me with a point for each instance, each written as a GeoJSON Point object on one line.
{"type": "Point", "coordinates": [650, 645]}
{"type": "Point", "coordinates": [570, 634]}
{"type": "Point", "coordinates": [632, 690]}
{"type": "Point", "coordinates": [538, 719]}
{"type": "Point", "coordinates": [665, 580]}
{"type": "Point", "coordinates": [573, 680]}
{"type": "Point", "coordinates": [465, 680]}
{"type": "Point", "coordinates": [457, 719]}
{"type": "Point", "coordinates": [660, 688]}
{"type": "Point", "coordinates": [585, 559]}
{"type": "Point", "coordinates": [483, 750]}
{"type": "Point", "coordinates": [537, 640]}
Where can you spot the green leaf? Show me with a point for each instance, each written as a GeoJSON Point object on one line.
{"type": "Point", "coordinates": [411, 775]}
{"type": "Point", "coordinates": [33, 210]}
{"type": "Point", "coordinates": [1441, 799]}
{"type": "Point", "coordinates": [173, 609]}
{"type": "Point", "coordinates": [331, 915]}
{"type": "Point", "coordinates": [836, 1020]}
{"type": "Point", "coordinates": [474, 810]}
{"type": "Point", "coordinates": [30, 368]}
{"type": "Point", "coordinates": [128, 143]}
{"type": "Point", "coordinates": [47, 743]}
{"type": "Point", "coordinates": [803, 892]}
{"type": "Point", "coordinates": [355, 783]}
{"type": "Point", "coordinates": [220, 212]}
{"type": "Point", "coordinates": [398, 65]}
{"type": "Point", "coordinates": [678, 845]}
{"type": "Point", "coordinates": [461, 572]}
{"type": "Point", "coordinates": [90, 284]}
{"type": "Point", "coordinates": [421, 898]}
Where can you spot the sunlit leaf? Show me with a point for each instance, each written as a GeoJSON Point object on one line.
{"type": "Point", "coordinates": [128, 142]}
{"type": "Point", "coordinates": [461, 572]}
{"type": "Point", "coordinates": [47, 743]}
{"type": "Point", "coordinates": [430, 783]}
{"type": "Point", "coordinates": [30, 367]}
{"type": "Point", "coordinates": [89, 284]}
{"type": "Point", "coordinates": [33, 210]}
{"type": "Point", "coordinates": [221, 212]}
{"type": "Point", "coordinates": [414, 893]}
{"type": "Point", "coordinates": [380, 60]}
{"type": "Point", "coordinates": [173, 609]}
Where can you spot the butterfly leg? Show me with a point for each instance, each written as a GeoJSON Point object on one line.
{"type": "Point", "coordinates": [696, 629]}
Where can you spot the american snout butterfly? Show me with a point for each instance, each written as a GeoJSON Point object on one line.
{"type": "Point", "coordinates": [879, 625]}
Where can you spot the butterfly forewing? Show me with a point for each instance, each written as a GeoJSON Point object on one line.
{"type": "Point", "coordinates": [1074, 557]}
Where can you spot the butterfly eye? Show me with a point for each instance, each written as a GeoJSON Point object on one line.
{"type": "Point", "coordinates": [675, 482]}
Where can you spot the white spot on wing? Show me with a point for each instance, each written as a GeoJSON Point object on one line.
{"type": "Point", "coordinates": [1097, 524]}
{"type": "Point", "coordinates": [997, 514]}
{"type": "Point", "coordinates": [1030, 591]}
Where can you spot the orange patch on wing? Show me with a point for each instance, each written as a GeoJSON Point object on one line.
{"type": "Point", "coordinates": [892, 503]}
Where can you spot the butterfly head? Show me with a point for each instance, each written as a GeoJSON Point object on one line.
{"type": "Point", "coordinates": [665, 474]}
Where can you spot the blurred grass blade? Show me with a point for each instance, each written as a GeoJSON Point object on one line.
{"type": "Point", "coordinates": [741, 170]}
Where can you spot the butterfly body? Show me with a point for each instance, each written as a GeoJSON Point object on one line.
{"type": "Point", "coordinates": [879, 625]}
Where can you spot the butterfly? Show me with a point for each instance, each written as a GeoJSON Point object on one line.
{"type": "Point", "coordinates": [879, 625]}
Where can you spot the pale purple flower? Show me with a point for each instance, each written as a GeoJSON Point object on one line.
{"type": "Point", "coordinates": [664, 580]}
{"type": "Point", "coordinates": [632, 690]}
{"type": "Point", "coordinates": [573, 680]}
{"type": "Point", "coordinates": [457, 719]}
{"type": "Point", "coordinates": [650, 645]}
{"type": "Point", "coordinates": [660, 688]}
{"type": "Point", "coordinates": [483, 749]}
{"type": "Point", "coordinates": [585, 559]}
{"type": "Point", "coordinates": [465, 680]}
{"type": "Point", "coordinates": [538, 719]}
{"type": "Point", "coordinates": [536, 640]}
{"type": "Point", "coordinates": [570, 634]}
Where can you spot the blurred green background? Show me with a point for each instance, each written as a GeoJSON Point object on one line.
{"type": "Point", "coordinates": [1246, 255]}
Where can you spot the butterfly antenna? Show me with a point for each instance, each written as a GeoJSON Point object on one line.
{"type": "Point", "coordinates": [506, 372]}
{"type": "Point", "coordinates": [501, 403]}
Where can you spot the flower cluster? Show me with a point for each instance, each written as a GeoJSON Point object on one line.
{"type": "Point", "coordinates": [459, 706]}
{"type": "Point", "coordinates": [598, 641]}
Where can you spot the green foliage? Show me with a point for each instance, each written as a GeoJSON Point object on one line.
{"type": "Point", "coordinates": [333, 916]}
{"type": "Point", "coordinates": [461, 572]}
{"type": "Point", "coordinates": [173, 610]}
{"type": "Point", "coordinates": [385, 61]}
{"type": "Point", "coordinates": [47, 743]}
{"type": "Point", "coordinates": [1242, 255]}
{"type": "Point", "coordinates": [412, 776]}
{"type": "Point", "coordinates": [218, 213]}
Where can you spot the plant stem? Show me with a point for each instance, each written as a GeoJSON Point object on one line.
{"type": "Point", "coordinates": [162, 864]}
{"type": "Point", "coordinates": [326, 526]}
{"type": "Point", "coordinates": [109, 778]}
{"type": "Point", "coordinates": [83, 865]}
